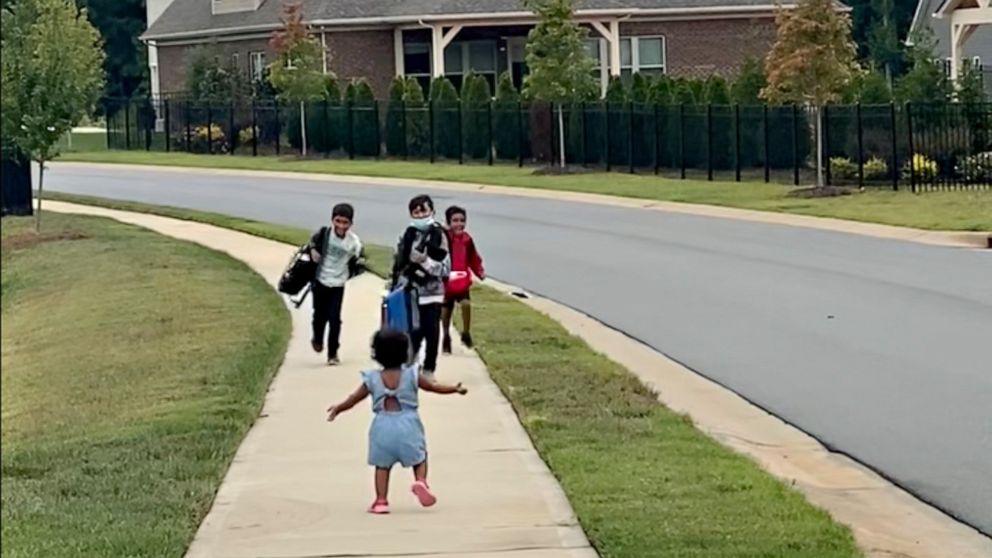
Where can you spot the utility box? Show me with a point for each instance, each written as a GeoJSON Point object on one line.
{"type": "Point", "coordinates": [15, 175]}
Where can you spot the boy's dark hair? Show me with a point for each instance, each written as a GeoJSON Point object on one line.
{"type": "Point", "coordinates": [391, 348]}
{"type": "Point", "coordinates": [421, 200]}
{"type": "Point", "coordinates": [343, 210]}
{"type": "Point", "coordinates": [450, 213]}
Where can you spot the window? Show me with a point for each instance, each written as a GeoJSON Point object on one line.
{"type": "Point", "coordinates": [257, 68]}
{"type": "Point", "coordinates": [596, 48]}
{"type": "Point", "coordinates": [417, 63]}
{"type": "Point", "coordinates": [645, 55]}
{"type": "Point", "coordinates": [977, 61]}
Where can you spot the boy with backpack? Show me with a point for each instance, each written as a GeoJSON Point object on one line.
{"type": "Point", "coordinates": [337, 250]}
{"type": "Point", "coordinates": [421, 266]}
{"type": "Point", "coordinates": [465, 261]}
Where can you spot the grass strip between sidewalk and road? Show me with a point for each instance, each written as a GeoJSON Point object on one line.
{"type": "Point", "coordinates": [642, 480]}
{"type": "Point", "coordinates": [133, 366]}
{"type": "Point", "coordinates": [951, 211]}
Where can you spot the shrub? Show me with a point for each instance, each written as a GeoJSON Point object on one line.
{"type": "Point", "coordinates": [976, 168]}
{"type": "Point", "coordinates": [842, 167]}
{"type": "Point", "coordinates": [506, 118]}
{"type": "Point", "coordinates": [395, 115]}
{"type": "Point", "coordinates": [447, 114]}
{"type": "Point", "coordinates": [476, 127]}
{"type": "Point", "coordinates": [245, 135]}
{"type": "Point", "coordinates": [417, 119]}
{"type": "Point", "coordinates": [202, 141]}
{"type": "Point", "coordinates": [876, 169]}
{"type": "Point", "coordinates": [920, 166]}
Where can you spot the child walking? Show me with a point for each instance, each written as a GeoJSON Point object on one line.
{"type": "Point", "coordinates": [465, 261]}
{"type": "Point", "coordinates": [337, 251]}
{"type": "Point", "coordinates": [396, 434]}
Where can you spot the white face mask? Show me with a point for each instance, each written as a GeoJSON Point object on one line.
{"type": "Point", "coordinates": [423, 223]}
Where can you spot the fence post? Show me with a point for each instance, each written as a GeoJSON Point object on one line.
{"type": "Point", "coordinates": [795, 145]}
{"type": "Point", "coordinates": [489, 130]}
{"type": "Point", "coordinates": [737, 142]}
{"type": "Point", "coordinates": [148, 129]}
{"type": "Point", "coordinates": [127, 124]}
{"type": "Point", "coordinates": [895, 148]}
{"type": "Point", "coordinates": [767, 157]}
{"type": "Point", "coordinates": [682, 140]}
{"type": "Point", "coordinates": [168, 123]}
{"type": "Point", "coordinates": [326, 128]}
{"type": "Point", "coordinates": [406, 143]}
{"type": "Point", "coordinates": [461, 134]}
{"type": "Point", "coordinates": [551, 136]}
{"type": "Point", "coordinates": [520, 133]}
{"type": "Point", "coordinates": [657, 142]}
{"type": "Point", "coordinates": [826, 142]}
{"type": "Point", "coordinates": [909, 137]}
{"type": "Point", "coordinates": [254, 129]}
{"type": "Point", "coordinates": [582, 133]}
{"type": "Point", "coordinates": [230, 129]}
{"type": "Point", "coordinates": [430, 125]}
{"type": "Point", "coordinates": [210, 135]}
{"type": "Point", "coordinates": [709, 142]}
{"type": "Point", "coordinates": [861, 147]}
{"type": "Point", "coordinates": [607, 137]}
{"type": "Point", "coordinates": [378, 131]}
{"type": "Point", "coordinates": [189, 135]}
{"type": "Point", "coordinates": [106, 116]}
{"type": "Point", "coordinates": [630, 136]}
{"type": "Point", "coordinates": [275, 106]}
{"type": "Point", "coordinates": [351, 129]}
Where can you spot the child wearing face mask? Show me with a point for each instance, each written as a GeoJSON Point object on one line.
{"type": "Point", "coordinates": [422, 264]}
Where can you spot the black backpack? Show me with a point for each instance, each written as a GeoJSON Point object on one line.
{"type": "Point", "coordinates": [301, 271]}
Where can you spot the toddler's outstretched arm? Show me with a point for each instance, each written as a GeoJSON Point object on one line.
{"type": "Point", "coordinates": [355, 398]}
{"type": "Point", "coordinates": [443, 389]}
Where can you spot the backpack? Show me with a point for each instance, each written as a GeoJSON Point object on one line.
{"type": "Point", "coordinates": [432, 243]}
{"type": "Point", "coordinates": [298, 274]}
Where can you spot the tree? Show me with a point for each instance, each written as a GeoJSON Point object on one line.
{"type": "Point", "coordinates": [640, 88]}
{"type": "Point", "coordinates": [211, 83]}
{"type": "Point", "coordinates": [812, 61]}
{"type": "Point", "coordinates": [661, 91]}
{"type": "Point", "coordinates": [46, 92]}
{"type": "Point", "coordinates": [560, 66]}
{"type": "Point", "coordinates": [925, 82]}
{"type": "Point", "coordinates": [417, 118]}
{"type": "Point", "coordinates": [121, 23]}
{"type": "Point", "coordinates": [395, 117]}
{"type": "Point", "coordinates": [297, 72]}
{"type": "Point", "coordinates": [883, 38]}
{"type": "Point", "coordinates": [447, 112]}
{"type": "Point", "coordinates": [717, 91]}
{"type": "Point", "coordinates": [616, 92]}
{"type": "Point", "coordinates": [476, 126]}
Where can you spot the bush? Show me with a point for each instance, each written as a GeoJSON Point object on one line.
{"type": "Point", "coordinates": [842, 167]}
{"type": "Point", "coordinates": [476, 127]}
{"type": "Point", "coordinates": [364, 116]}
{"type": "Point", "coordinates": [245, 136]}
{"type": "Point", "coordinates": [876, 169]}
{"type": "Point", "coordinates": [203, 141]}
{"type": "Point", "coordinates": [417, 119]}
{"type": "Point", "coordinates": [506, 118]}
{"type": "Point", "coordinates": [395, 116]}
{"type": "Point", "coordinates": [447, 114]}
{"type": "Point", "coordinates": [976, 168]}
{"type": "Point", "coordinates": [920, 166]}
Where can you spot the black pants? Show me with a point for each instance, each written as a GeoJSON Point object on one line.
{"type": "Point", "coordinates": [429, 332]}
{"type": "Point", "coordinates": [327, 302]}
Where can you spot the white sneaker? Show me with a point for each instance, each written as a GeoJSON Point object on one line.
{"type": "Point", "coordinates": [428, 375]}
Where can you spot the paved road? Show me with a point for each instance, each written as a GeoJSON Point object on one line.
{"type": "Point", "coordinates": [881, 349]}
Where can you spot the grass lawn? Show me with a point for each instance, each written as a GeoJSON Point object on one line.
{"type": "Point", "coordinates": [133, 365]}
{"type": "Point", "coordinates": [963, 211]}
{"type": "Point", "coordinates": [83, 142]}
{"type": "Point", "coordinates": [642, 480]}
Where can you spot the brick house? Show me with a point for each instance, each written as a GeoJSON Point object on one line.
{"type": "Point", "coordinates": [379, 39]}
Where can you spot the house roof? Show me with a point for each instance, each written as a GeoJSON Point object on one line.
{"type": "Point", "coordinates": [191, 18]}
{"type": "Point", "coordinates": [979, 44]}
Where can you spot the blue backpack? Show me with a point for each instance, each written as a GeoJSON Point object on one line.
{"type": "Point", "coordinates": [400, 310]}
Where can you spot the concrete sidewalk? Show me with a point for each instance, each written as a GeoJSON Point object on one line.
{"type": "Point", "coordinates": [299, 486]}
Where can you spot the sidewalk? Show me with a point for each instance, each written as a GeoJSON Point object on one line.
{"type": "Point", "coordinates": [299, 486]}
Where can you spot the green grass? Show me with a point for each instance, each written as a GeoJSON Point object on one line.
{"type": "Point", "coordinates": [89, 142]}
{"type": "Point", "coordinates": [133, 365]}
{"type": "Point", "coordinates": [642, 480]}
{"type": "Point", "coordinates": [962, 211]}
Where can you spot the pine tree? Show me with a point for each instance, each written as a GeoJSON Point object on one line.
{"type": "Point", "coordinates": [616, 92]}
{"type": "Point", "coordinates": [396, 118]}
{"type": "Point", "coordinates": [506, 118]}
{"type": "Point", "coordinates": [746, 89]}
{"type": "Point", "coordinates": [925, 82]}
{"type": "Point", "coordinates": [661, 91]}
{"type": "Point", "coordinates": [883, 38]}
{"type": "Point", "coordinates": [812, 61]}
{"type": "Point", "coordinates": [417, 119]}
{"type": "Point", "coordinates": [476, 127]}
{"type": "Point", "coordinates": [640, 88]}
{"type": "Point", "coordinates": [447, 114]}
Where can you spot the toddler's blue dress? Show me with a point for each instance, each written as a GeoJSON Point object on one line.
{"type": "Point", "coordinates": [395, 436]}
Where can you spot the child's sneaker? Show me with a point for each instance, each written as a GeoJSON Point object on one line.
{"type": "Point", "coordinates": [333, 361]}
{"type": "Point", "coordinates": [446, 345]}
{"type": "Point", "coordinates": [423, 494]}
{"type": "Point", "coordinates": [318, 347]}
{"type": "Point", "coordinates": [467, 339]}
{"type": "Point", "coordinates": [379, 507]}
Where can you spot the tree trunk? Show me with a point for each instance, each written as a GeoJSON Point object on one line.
{"type": "Point", "coordinates": [561, 137]}
{"type": "Point", "coordinates": [41, 189]}
{"type": "Point", "coordinates": [303, 127]}
{"type": "Point", "coordinates": [819, 146]}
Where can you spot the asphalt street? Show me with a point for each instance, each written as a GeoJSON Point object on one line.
{"type": "Point", "coordinates": [880, 349]}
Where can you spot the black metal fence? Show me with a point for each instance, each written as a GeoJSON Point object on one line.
{"type": "Point", "coordinates": [920, 147]}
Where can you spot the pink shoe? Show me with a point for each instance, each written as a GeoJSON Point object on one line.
{"type": "Point", "coordinates": [379, 507]}
{"type": "Point", "coordinates": [423, 493]}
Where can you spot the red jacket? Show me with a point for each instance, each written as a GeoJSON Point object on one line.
{"type": "Point", "coordinates": [464, 256]}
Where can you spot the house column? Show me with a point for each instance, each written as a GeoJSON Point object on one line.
{"type": "Point", "coordinates": [964, 23]}
{"type": "Point", "coordinates": [398, 63]}
{"type": "Point", "coordinates": [612, 36]}
{"type": "Point", "coordinates": [323, 50]}
{"type": "Point", "coordinates": [439, 41]}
